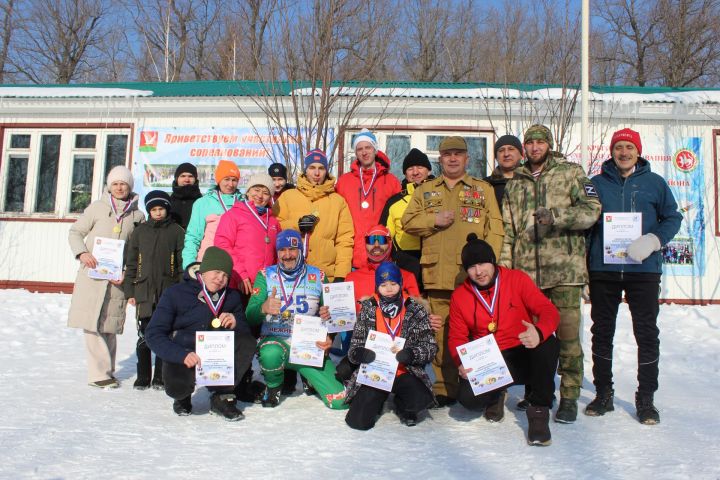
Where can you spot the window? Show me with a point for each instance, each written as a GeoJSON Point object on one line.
{"type": "Point", "coordinates": [83, 140]}
{"type": "Point", "coordinates": [47, 173]}
{"type": "Point", "coordinates": [16, 180]}
{"type": "Point", "coordinates": [20, 141]}
{"type": "Point", "coordinates": [81, 187]}
{"type": "Point", "coordinates": [397, 147]}
{"type": "Point", "coordinates": [115, 152]}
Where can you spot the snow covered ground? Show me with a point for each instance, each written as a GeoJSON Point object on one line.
{"type": "Point", "coordinates": [55, 426]}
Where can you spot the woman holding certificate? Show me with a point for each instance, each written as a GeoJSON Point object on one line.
{"type": "Point", "coordinates": [98, 305]}
{"type": "Point", "coordinates": [392, 342]}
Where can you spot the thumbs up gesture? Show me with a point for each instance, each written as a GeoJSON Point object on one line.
{"type": "Point", "coordinates": [530, 338]}
{"type": "Point", "coordinates": [272, 305]}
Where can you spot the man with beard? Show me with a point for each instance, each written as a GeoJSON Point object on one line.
{"type": "Point", "coordinates": [185, 190]}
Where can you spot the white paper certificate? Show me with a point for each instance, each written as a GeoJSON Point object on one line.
{"type": "Point", "coordinates": [306, 331]}
{"type": "Point", "coordinates": [380, 373]}
{"type": "Point", "coordinates": [488, 368]}
{"type": "Point", "coordinates": [340, 297]}
{"type": "Point", "coordinates": [109, 255]}
{"type": "Point", "coordinates": [619, 231]}
{"type": "Point", "coordinates": [217, 360]}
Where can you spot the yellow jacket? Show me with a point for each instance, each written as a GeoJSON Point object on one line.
{"type": "Point", "coordinates": [402, 239]}
{"type": "Point", "coordinates": [331, 242]}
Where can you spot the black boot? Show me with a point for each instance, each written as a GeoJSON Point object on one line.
{"type": "Point", "coordinates": [567, 411]}
{"type": "Point", "coordinates": [602, 404]}
{"type": "Point", "coordinates": [271, 398]}
{"type": "Point", "coordinates": [407, 418]}
{"type": "Point", "coordinates": [249, 390]}
{"type": "Point", "coordinates": [183, 407]}
{"type": "Point", "coordinates": [523, 404]}
{"type": "Point", "coordinates": [144, 365]}
{"type": "Point", "coordinates": [495, 412]}
{"type": "Point", "coordinates": [157, 381]}
{"type": "Point", "coordinates": [223, 405]}
{"type": "Point", "coordinates": [289, 382]}
{"type": "Point", "coordinates": [538, 426]}
{"type": "Point", "coordinates": [307, 388]}
{"type": "Point", "coordinates": [646, 412]}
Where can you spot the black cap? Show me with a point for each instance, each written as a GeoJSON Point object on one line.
{"type": "Point", "coordinates": [416, 158]}
{"type": "Point", "coordinates": [511, 140]}
{"type": "Point", "coordinates": [157, 198]}
{"type": "Point", "coordinates": [277, 170]}
{"type": "Point", "coordinates": [186, 168]}
{"type": "Point", "coordinates": [476, 251]}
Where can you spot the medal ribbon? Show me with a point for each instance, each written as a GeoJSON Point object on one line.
{"type": "Point", "coordinates": [288, 299]}
{"type": "Point", "coordinates": [493, 303]}
{"type": "Point", "coordinates": [118, 218]}
{"type": "Point", "coordinates": [222, 204]}
{"type": "Point", "coordinates": [264, 224]}
{"type": "Point", "coordinates": [372, 181]}
{"type": "Point", "coordinates": [213, 306]}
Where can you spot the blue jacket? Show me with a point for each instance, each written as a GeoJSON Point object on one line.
{"type": "Point", "coordinates": [643, 191]}
{"type": "Point", "coordinates": [180, 313]}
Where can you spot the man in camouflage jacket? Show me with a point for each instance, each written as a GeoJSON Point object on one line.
{"type": "Point", "coordinates": [547, 207]}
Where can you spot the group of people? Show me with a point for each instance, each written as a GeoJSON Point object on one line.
{"type": "Point", "coordinates": [439, 261]}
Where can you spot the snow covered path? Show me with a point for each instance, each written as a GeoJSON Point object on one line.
{"type": "Point", "coordinates": [55, 426]}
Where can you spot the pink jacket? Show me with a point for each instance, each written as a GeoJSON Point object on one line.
{"type": "Point", "coordinates": [251, 246]}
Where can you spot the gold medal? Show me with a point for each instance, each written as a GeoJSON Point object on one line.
{"type": "Point", "coordinates": [286, 314]}
{"type": "Point", "coordinates": [116, 229]}
{"type": "Point", "coordinates": [492, 326]}
{"type": "Point", "coordinates": [215, 323]}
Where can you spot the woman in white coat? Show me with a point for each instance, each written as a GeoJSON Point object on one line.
{"type": "Point", "coordinates": [98, 306]}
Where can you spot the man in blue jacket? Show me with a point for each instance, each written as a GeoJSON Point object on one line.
{"type": "Point", "coordinates": [626, 185]}
{"type": "Point", "coordinates": [200, 303]}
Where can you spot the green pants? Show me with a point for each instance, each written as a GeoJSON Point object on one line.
{"type": "Point", "coordinates": [567, 300]}
{"type": "Point", "coordinates": [273, 354]}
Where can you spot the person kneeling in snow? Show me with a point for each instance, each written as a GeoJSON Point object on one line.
{"type": "Point", "coordinates": [507, 304]}
{"type": "Point", "coordinates": [394, 313]}
{"type": "Point", "coordinates": [200, 303]}
{"type": "Point", "coordinates": [281, 291]}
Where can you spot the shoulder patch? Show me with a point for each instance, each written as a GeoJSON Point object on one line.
{"type": "Point", "coordinates": [590, 190]}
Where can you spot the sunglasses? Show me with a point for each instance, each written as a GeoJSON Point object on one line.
{"type": "Point", "coordinates": [381, 239]}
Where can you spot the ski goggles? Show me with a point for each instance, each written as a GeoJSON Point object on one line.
{"type": "Point", "coordinates": [380, 239]}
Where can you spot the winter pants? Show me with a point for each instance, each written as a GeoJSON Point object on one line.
{"type": "Point", "coordinates": [180, 380]}
{"type": "Point", "coordinates": [446, 373]}
{"type": "Point", "coordinates": [642, 292]}
{"type": "Point", "coordinates": [101, 349]}
{"type": "Point", "coordinates": [411, 396]}
{"type": "Point", "coordinates": [273, 356]}
{"type": "Point", "coordinates": [144, 356]}
{"type": "Point", "coordinates": [567, 300]}
{"type": "Point", "coordinates": [532, 367]}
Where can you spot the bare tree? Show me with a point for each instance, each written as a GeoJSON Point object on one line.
{"type": "Point", "coordinates": [7, 17]}
{"type": "Point", "coordinates": [204, 33]}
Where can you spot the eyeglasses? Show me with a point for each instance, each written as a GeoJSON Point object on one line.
{"type": "Point", "coordinates": [372, 239]}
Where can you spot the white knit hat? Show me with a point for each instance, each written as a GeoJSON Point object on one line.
{"type": "Point", "coordinates": [120, 174]}
{"type": "Point", "coordinates": [262, 179]}
{"type": "Point", "coordinates": [365, 135]}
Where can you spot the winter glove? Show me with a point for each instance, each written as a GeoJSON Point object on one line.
{"type": "Point", "coordinates": [405, 356]}
{"type": "Point", "coordinates": [344, 370]}
{"type": "Point", "coordinates": [364, 355]}
{"type": "Point", "coordinates": [307, 223]}
{"type": "Point", "coordinates": [641, 248]}
{"type": "Point", "coordinates": [543, 216]}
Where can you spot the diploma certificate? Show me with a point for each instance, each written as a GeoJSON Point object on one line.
{"type": "Point", "coordinates": [216, 350]}
{"type": "Point", "coordinates": [306, 331]}
{"type": "Point", "coordinates": [380, 373]}
{"type": "Point", "coordinates": [620, 229]}
{"type": "Point", "coordinates": [340, 297]}
{"type": "Point", "coordinates": [488, 370]}
{"type": "Point", "coordinates": [109, 255]}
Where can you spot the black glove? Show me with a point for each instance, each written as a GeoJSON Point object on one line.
{"type": "Point", "coordinates": [339, 279]}
{"type": "Point", "coordinates": [344, 370]}
{"type": "Point", "coordinates": [405, 356]}
{"type": "Point", "coordinates": [364, 355]}
{"type": "Point", "coordinates": [307, 223]}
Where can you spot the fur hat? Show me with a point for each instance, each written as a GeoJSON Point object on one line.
{"type": "Point", "coordinates": [277, 170]}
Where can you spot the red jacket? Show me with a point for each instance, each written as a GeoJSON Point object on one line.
{"type": "Point", "coordinates": [350, 188]}
{"type": "Point", "coordinates": [518, 299]}
{"type": "Point", "coordinates": [364, 282]}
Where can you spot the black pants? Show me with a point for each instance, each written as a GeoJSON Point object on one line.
{"type": "Point", "coordinates": [533, 367]}
{"type": "Point", "coordinates": [642, 292]}
{"type": "Point", "coordinates": [411, 396]}
{"type": "Point", "coordinates": [180, 380]}
{"type": "Point", "coordinates": [144, 355]}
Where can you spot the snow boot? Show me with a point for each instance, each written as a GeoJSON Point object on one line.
{"type": "Point", "coordinates": [183, 407]}
{"type": "Point", "coordinates": [289, 382]}
{"type": "Point", "coordinates": [523, 404]}
{"type": "Point", "coordinates": [407, 418]}
{"type": "Point", "coordinates": [567, 411]}
{"type": "Point", "coordinates": [249, 390]}
{"type": "Point", "coordinates": [223, 405]}
{"type": "Point", "coordinates": [157, 381]}
{"type": "Point", "coordinates": [144, 365]}
{"type": "Point", "coordinates": [271, 397]}
{"type": "Point", "coordinates": [646, 412]}
{"type": "Point", "coordinates": [538, 426]}
{"type": "Point", "coordinates": [602, 404]}
{"type": "Point", "coordinates": [307, 388]}
{"type": "Point", "coordinates": [495, 412]}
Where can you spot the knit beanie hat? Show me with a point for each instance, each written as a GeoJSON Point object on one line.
{"type": "Point", "coordinates": [226, 168]}
{"type": "Point", "coordinates": [120, 174]}
{"type": "Point", "coordinates": [288, 239]}
{"type": "Point", "coordinates": [215, 258]}
{"type": "Point", "coordinates": [476, 251]}
{"type": "Point", "coordinates": [315, 156]}
{"type": "Point", "coordinates": [277, 170]}
{"type": "Point", "coordinates": [539, 132]}
{"type": "Point", "coordinates": [511, 140]}
{"type": "Point", "coordinates": [387, 272]}
{"type": "Point", "coordinates": [261, 179]}
{"type": "Point", "coordinates": [627, 135]}
{"type": "Point", "coordinates": [416, 158]}
{"type": "Point", "coordinates": [157, 198]}
{"type": "Point", "coordinates": [365, 135]}
{"type": "Point", "coordinates": [186, 168]}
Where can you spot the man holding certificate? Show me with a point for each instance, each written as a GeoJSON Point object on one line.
{"type": "Point", "coordinates": [285, 297]}
{"type": "Point", "coordinates": [201, 303]}
{"type": "Point", "coordinates": [506, 303]}
{"type": "Point", "coordinates": [639, 215]}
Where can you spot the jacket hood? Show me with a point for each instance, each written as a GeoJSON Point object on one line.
{"type": "Point", "coordinates": [315, 192]}
{"type": "Point", "coordinates": [609, 168]}
{"type": "Point", "coordinates": [381, 161]}
{"type": "Point", "coordinates": [186, 191]}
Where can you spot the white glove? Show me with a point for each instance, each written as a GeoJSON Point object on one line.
{"type": "Point", "coordinates": [641, 248]}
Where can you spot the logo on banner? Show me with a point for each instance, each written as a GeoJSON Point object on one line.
{"type": "Point", "coordinates": [148, 141]}
{"type": "Point", "coordinates": [685, 160]}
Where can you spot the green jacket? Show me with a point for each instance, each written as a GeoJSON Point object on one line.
{"type": "Point", "coordinates": [552, 255]}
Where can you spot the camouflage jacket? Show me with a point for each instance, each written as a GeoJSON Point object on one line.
{"type": "Point", "coordinates": [552, 255]}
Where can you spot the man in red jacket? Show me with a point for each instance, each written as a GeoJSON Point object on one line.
{"type": "Point", "coordinates": [507, 304]}
{"type": "Point", "coordinates": [366, 188]}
